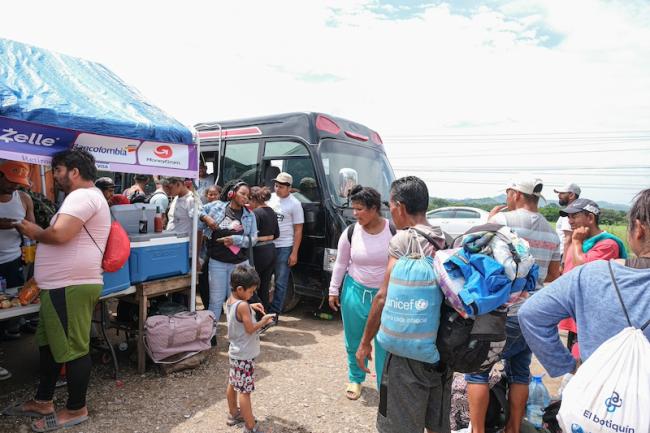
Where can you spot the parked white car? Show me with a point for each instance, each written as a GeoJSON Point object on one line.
{"type": "Point", "coordinates": [456, 220]}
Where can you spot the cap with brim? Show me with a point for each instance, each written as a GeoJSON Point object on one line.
{"type": "Point", "coordinates": [284, 178]}
{"type": "Point", "coordinates": [104, 183]}
{"type": "Point", "coordinates": [571, 187]}
{"type": "Point", "coordinates": [581, 205]}
{"type": "Point", "coordinates": [526, 185]}
{"type": "Point", "coordinates": [16, 172]}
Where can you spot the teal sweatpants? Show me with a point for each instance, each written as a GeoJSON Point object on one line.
{"type": "Point", "coordinates": [356, 300]}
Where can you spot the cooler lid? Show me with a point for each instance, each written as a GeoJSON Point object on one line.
{"type": "Point", "coordinates": [144, 237]}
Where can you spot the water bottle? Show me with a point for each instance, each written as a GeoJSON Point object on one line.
{"type": "Point", "coordinates": [142, 224]}
{"type": "Point", "coordinates": [538, 399]}
{"type": "Point", "coordinates": [323, 316]}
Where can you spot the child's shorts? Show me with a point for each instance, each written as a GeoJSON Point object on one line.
{"type": "Point", "coordinates": [241, 375]}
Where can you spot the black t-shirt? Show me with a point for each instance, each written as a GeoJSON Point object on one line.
{"type": "Point", "coordinates": [228, 226]}
{"type": "Point", "coordinates": [267, 222]}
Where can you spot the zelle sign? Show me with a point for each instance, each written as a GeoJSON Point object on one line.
{"type": "Point", "coordinates": [10, 135]}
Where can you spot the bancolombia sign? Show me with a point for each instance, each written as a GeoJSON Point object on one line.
{"type": "Point", "coordinates": [36, 143]}
{"type": "Point", "coordinates": [108, 149]}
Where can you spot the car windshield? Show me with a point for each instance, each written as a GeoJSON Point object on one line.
{"type": "Point", "coordinates": [347, 164]}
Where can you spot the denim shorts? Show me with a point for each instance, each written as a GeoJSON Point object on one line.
{"type": "Point", "coordinates": [516, 355]}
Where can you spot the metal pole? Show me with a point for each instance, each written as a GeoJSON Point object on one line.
{"type": "Point", "coordinates": [43, 183]}
{"type": "Point", "coordinates": [195, 229]}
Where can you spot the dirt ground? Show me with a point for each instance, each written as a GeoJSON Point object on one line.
{"type": "Point", "coordinates": [300, 379]}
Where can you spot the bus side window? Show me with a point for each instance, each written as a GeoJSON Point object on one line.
{"type": "Point", "coordinates": [240, 162]}
{"type": "Point", "coordinates": [292, 157]}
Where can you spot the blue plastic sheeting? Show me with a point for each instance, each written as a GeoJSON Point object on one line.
{"type": "Point", "coordinates": [40, 86]}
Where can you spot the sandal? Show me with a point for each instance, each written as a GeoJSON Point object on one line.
{"type": "Point", "coordinates": [353, 391]}
{"type": "Point", "coordinates": [52, 423]}
{"type": "Point", "coordinates": [234, 420]}
{"type": "Point", "coordinates": [16, 409]}
{"type": "Point", "coordinates": [256, 429]}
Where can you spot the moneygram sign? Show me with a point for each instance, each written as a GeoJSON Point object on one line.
{"type": "Point", "coordinates": [156, 154]}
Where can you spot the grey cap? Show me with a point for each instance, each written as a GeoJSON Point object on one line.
{"type": "Point", "coordinates": [569, 187]}
{"type": "Point", "coordinates": [581, 205]}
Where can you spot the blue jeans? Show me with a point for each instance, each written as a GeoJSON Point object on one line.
{"type": "Point", "coordinates": [219, 280]}
{"type": "Point", "coordinates": [516, 354]}
{"type": "Point", "coordinates": [281, 278]}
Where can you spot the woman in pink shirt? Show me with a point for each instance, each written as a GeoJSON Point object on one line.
{"type": "Point", "coordinates": [360, 267]}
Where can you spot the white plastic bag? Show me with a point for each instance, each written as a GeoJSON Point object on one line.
{"type": "Point", "coordinates": [610, 393]}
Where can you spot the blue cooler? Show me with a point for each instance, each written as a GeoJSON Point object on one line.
{"type": "Point", "coordinates": [116, 281]}
{"type": "Point", "coordinates": [158, 255]}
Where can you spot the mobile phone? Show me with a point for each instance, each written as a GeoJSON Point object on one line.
{"type": "Point", "coordinates": [271, 323]}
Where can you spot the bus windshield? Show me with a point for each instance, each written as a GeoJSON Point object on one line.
{"type": "Point", "coordinates": [347, 164]}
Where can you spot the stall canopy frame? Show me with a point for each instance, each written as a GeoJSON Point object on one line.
{"type": "Point", "coordinates": [50, 102]}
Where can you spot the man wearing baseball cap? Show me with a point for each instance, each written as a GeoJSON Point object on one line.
{"type": "Point", "coordinates": [290, 219]}
{"type": "Point", "coordinates": [588, 243]}
{"type": "Point", "coordinates": [15, 205]}
{"type": "Point", "coordinates": [523, 217]}
{"type": "Point", "coordinates": [106, 186]}
{"type": "Point", "coordinates": [566, 195]}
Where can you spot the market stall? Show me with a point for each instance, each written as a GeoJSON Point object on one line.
{"type": "Point", "coordinates": [50, 102]}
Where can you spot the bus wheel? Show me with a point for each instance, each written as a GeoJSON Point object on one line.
{"type": "Point", "coordinates": [291, 298]}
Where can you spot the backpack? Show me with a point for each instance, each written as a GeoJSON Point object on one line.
{"type": "Point", "coordinates": [610, 392]}
{"type": "Point", "coordinates": [472, 337]}
{"type": "Point", "coordinates": [411, 314]}
{"type": "Point", "coordinates": [118, 247]}
{"type": "Point", "coordinates": [144, 198]}
{"type": "Point", "coordinates": [350, 230]}
{"type": "Point", "coordinates": [471, 345]}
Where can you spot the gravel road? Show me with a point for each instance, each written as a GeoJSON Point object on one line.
{"type": "Point", "coordinates": [300, 380]}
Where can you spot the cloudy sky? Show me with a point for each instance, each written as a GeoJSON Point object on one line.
{"type": "Point", "coordinates": [465, 94]}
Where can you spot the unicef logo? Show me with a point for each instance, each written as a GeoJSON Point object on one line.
{"type": "Point", "coordinates": [613, 402]}
{"type": "Point", "coordinates": [575, 428]}
{"type": "Point", "coordinates": [421, 304]}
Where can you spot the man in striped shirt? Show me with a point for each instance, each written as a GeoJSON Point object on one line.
{"type": "Point", "coordinates": [524, 218]}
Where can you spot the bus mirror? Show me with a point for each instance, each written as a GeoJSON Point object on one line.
{"type": "Point", "coordinates": [348, 179]}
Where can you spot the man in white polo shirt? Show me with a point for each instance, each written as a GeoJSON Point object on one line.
{"type": "Point", "coordinates": [566, 195]}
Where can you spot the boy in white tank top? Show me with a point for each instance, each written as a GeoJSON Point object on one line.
{"type": "Point", "coordinates": [244, 336]}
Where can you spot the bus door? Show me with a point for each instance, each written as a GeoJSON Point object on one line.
{"type": "Point", "coordinates": [294, 158]}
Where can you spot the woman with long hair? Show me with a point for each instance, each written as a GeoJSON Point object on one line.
{"type": "Point", "coordinates": [264, 254]}
{"type": "Point", "coordinates": [231, 230]}
{"type": "Point", "coordinates": [360, 267]}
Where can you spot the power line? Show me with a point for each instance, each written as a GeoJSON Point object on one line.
{"type": "Point", "coordinates": [484, 182]}
{"type": "Point", "coordinates": [513, 153]}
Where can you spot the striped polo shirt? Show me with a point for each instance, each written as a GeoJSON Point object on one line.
{"type": "Point", "coordinates": [542, 238]}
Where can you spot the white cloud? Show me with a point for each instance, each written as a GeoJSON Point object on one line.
{"type": "Point", "coordinates": [439, 71]}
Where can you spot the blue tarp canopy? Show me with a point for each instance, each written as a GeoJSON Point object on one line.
{"type": "Point", "coordinates": [50, 102]}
